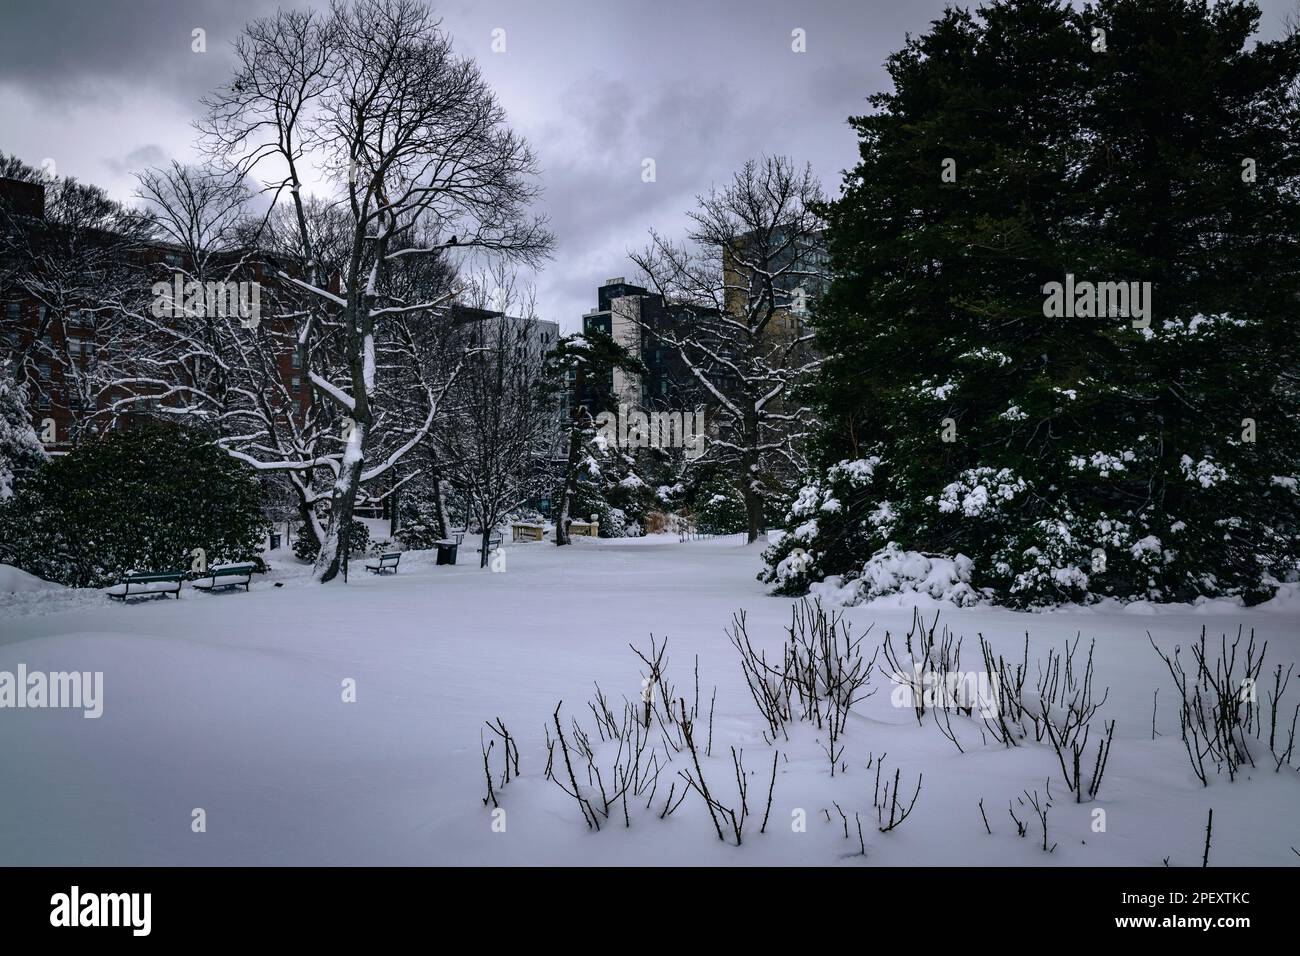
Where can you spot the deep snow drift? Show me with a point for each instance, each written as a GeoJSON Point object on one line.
{"type": "Point", "coordinates": [233, 703]}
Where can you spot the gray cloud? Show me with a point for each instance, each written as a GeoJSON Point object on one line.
{"type": "Point", "coordinates": [106, 87]}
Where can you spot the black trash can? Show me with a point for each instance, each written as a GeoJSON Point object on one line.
{"type": "Point", "coordinates": [275, 540]}
{"type": "Point", "coordinates": [446, 552]}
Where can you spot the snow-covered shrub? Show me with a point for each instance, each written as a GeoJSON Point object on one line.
{"type": "Point", "coordinates": [20, 451]}
{"type": "Point", "coordinates": [611, 486]}
{"type": "Point", "coordinates": [1117, 522]}
{"type": "Point", "coordinates": [893, 571]}
{"type": "Point", "coordinates": [719, 508]}
{"type": "Point", "coordinates": [824, 526]}
{"type": "Point", "coordinates": [1045, 565]}
{"type": "Point", "coordinates": [358, 538]}
{"type": "Point", "coordinates": [418, 535]}
{"type": "Point", "coordinates": [143, 499]}
{"type": "Point", "coordinates": [305, 548]}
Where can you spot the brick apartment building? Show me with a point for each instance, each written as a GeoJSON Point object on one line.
{"type": "Point", "coordinates": [55, 345]}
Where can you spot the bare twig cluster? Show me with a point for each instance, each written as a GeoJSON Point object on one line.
{"type": "Point", "coordinates": [1006, 722]}
{"type": "Point", "coordinates": [1219, 710]}
{"type": "Point", "coordinates": [631, 773]}
{"type": "Point", "coordinates": [616, 763]}
{"type": "Point", "coordinates": [1039, 806]}
{"type": "Point", "coordinates": [662, 706]}
{"type": "Point", "coordinates": [1060, 708]}
{"type": "Point", "coordinates": [694, 777]}
{"type": "Point", "coordinates": [822, 673]}
{"type": "Point", "coordinates": [509, 758]}
{"type": "Point", "coordinates": [887, 798]}
{"type": "Point", "coordinates": [930, 668]}
{"type": "Point", "coordinates": [1066, 707]}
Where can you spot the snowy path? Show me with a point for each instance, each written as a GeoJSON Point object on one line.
{"type": "Point", "coordinates": [232, 703]}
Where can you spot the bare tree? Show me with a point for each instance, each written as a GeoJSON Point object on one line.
{"type": "Point", "coordinates": [751, 268]}
{"type": "Point", "coordinates": [495, 449]}
{"type": "Point", "coordinates": [77, 263]}
{"type": "Point", "coordinates": [175, 362]}
{"type": "Point", "coordinates": [407, 132]}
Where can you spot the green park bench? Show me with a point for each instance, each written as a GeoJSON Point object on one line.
{"type": "Point", "coordinates": [227, 576]}
{"type": "Point", "coordinates": [148, 584]}
{"type": "Point", "coordinates": [385, 563]}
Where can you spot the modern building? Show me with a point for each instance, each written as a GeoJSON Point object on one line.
{"type": "Point", "coordinates": [630, 315]}
{"type": "Point", "coordinates": [805, 275]}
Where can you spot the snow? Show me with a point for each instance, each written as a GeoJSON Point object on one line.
{"type": "Point", "coordinates": [151, 587]}
{"type": "Point", "coordinates": [979, 489]}
{"type": "Point", "coordinates": [14, 580]}
{"type": "Point", "coordinates": [1205, 472]}
{"type": "Point", "coordinates": [232, 702]}
{"type": "Point", "coordinates": [859, 472]}
{"type": "Point", "coordinates": [368, 364]}
{"type": "Point", "coordinates": [986, 354]}
{"type": "Point", "coordinates": [894, 577]}
{"type": "Point", "coordinates": [1102, 462]}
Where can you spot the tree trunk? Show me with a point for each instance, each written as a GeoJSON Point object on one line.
{"type": "Point", "coordinates": [753, 511]}
{"type": "Point", "coordinates": [568, 486]}
{"type": "Point", "coordinates": [441, 523]}
{"type": "Point", "coordinates": [330, 560]}
{"type": "Point", "coordinates": [483, 549]}
{"type": "Point", "coordinates": [749, 461]}
{"type": "Point", "coordinates": [310, 523]}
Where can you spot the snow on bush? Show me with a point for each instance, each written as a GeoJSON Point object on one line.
{"type": "Point", "coordinates": [20, 450]}
{"type": "Point", "coordinates": [978, 490]}
{"type": "Point", "coordinates": [893, 571]}
{"type": "Point", "coordinates": [1205, 472]}
{"type": "Point", "coordinates": [858, 473]}
{"type": "Point", "coordinates": [793, 565]}
{"type": "Point", "coordinates": [1051, 570]}
{"type": "Point", "coordinates": [1101, 462]}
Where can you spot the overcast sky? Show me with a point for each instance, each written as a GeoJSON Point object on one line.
{"type": "Point", "coordinates": [107, 87]}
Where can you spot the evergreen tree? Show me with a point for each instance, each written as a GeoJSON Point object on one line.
{"type": "Point", "coordinates": [142, 499]}
{"type": "Point", "coordinates": [593, 469]}
{"type": "Point", "coordinates": [1091, 449]}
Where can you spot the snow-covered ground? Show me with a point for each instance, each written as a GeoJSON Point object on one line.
{"type": "Point", "coordinates": [233, 703]}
